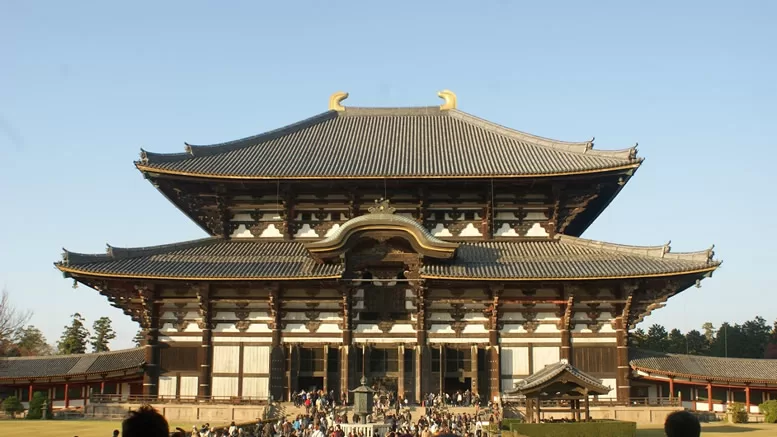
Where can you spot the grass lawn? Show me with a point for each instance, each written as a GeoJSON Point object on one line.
{"type": "Point", "coordinates": [720, 430]}
{"type": "Point", "coordinates": [66, 428]}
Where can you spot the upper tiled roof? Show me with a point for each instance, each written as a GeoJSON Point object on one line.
{"type": "Point", "coordinates": [552, 371]}
{"type": "Point", "coordinates": [561, 258]}
{"type": "Point", "coordinates": [705, 368]}
{"type": "Point", "coordinates": [420, 142]}
{"type": "Point", "coordinates": [71, 365]}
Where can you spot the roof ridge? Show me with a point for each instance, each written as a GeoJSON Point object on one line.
{"type": "Point", "coordinates": [195, 151]}
{"type": "Point", "coordinates": [576, 147]}
{"type": "Point", "coordinates": [662, 251]}
{"type": "Point", "coordinates": [113, 253]}
{"type": "Point", "coordinates": [79, 356]}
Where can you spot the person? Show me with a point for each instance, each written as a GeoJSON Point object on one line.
{"type": "Point", "coordinates": [115, 433]}
{"type": "Point", "coordinates": [682, 424]}
{"type": "Point", "coordinates": [145, 422]}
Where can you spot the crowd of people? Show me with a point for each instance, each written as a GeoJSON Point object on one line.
{"type": "Point", "coordinates": [147, 422]}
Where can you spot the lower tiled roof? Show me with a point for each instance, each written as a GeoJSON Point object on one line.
{"type": "Point", "coordinates": [752, 370]}
{"type": "Point", "coordinates": [563, 257]}
{"type": "Point", "coordinates": [552, 371]}
{"type": "Point", "coordinates": [70, 365]}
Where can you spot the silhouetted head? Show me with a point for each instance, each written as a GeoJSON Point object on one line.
{"type": "Point", "coordinates": [682, 424]}
{"type": "Point", "coordinates": [145, 422]}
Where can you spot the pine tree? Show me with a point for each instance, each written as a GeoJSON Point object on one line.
{"type": "Point", "coordinates": [139, 338]}
{"type": "Point", "coordinates": [73, 340]}
{"type": "Point", "coordinates": [30, 341]}
{"type": "Point", "coordinates": [676, 342]}
{"type": "Point", "coordinates": [709, 331]}
{"type": "Point", "coordinates": [103, 333]}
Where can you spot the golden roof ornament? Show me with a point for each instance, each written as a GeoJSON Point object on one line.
{"type": "Point", "coordinates": [335, 101]}
{"type": "Point", "coordinates": [450, 100]}
{"type": "Point", "coordinates": [382, 206]}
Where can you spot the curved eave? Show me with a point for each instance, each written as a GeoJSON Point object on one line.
{"type": "Point", "coordinates": [73, 271]}
{"type": "Point", "coordinates": [706, 270]}
{"type": "Point", "coordinates": [427, 245]}
{"type": "Point", "coordinates": [151, 171]}
{"type": "Point", "coordinates": [695, 377]}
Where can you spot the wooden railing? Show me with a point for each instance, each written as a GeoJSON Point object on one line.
{"type": "Point", "coordinates": [145, 399]}
{"type": "Point", "coordinates": [607, 402]}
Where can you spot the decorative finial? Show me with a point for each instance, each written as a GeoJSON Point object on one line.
{"type": "Point", "coordinates": [363, 380]}
{"type": "Point", "coordinates": [143, 156]}
{"type": "Point", "coordinates": [450, 100]}
{"type": "Point", "coordinates": [75, 284]}
{"type": "Point", "coordinates": [382, 206]}
{"type": "Point", "coordinates": [335, 101]}
{"type": "Point", "coordinates": [667, 248]}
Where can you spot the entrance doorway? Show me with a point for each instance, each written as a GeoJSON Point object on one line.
{"type": "Point", "coordinates": [456, 385]}
{"type": "Point", "coordinates": [311, 383]}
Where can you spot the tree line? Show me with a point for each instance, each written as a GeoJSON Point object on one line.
{"type": "Point", "coordinates": [751, 339]}
{"type": "Point", "coordinates": [18, 339]}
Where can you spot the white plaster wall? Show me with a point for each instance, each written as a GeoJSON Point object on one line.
{"type": "Point", "coordinates": [226, 359]}
{"type": "Point", "coordinates": [332, 230]}
{"type": "Point", "coordinates": [224, 386]}
{"type": "Point", "coordinates": [475, 328]}
{"type": "Point", "coordinates": [589, 340]}
{"type": "Point", "coordinates": [262, 340]}
{"type": "Point", "coordinates": [470, 231]}
{"type": "Point", "coordinates": [187, 339]}
{"type": "Point", "coordinates": [441, 231]}
{"type": "Point", "coordinates": [610, 382]}
{"type": "Point", "coordinates": [515, 361]}
{"type": "Point", "coordinates": [537, 231]}
{"type": "Point", "coordinates": [306, 232]}
{"type": "Point", "coordinates": [525, 340]}
{"type": "Point", "coordinates": [271, 232]}
{"type": "Point", "coordinates": [315, 340]}
{"type": "Point", "coordinates": [256, 359]}
{"type": "Point", "coordinates": [189, 386]}
{"type": "Point", "coordinates": [506, 231]}
{"type": "Point", "coordinates": [258, 387]}
{"type": "Point", "coordinates": [544, 355]}
{"type": "Point", "coordinates": [241, 232]}
{"type": "Point", "coordinates": [385, 340]}
{"type": "Point", "coordinates": [167, 385]}
{"type": "Point", "coordinates": [509, 383]}
{"type": "Point", "coordinates": [475, 340]}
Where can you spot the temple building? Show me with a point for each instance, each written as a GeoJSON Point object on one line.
{"type": "Point", "coordinates": [424, 248]}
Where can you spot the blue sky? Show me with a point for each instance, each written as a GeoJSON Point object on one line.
{"type": "Point", "coordinates": [85, 85]}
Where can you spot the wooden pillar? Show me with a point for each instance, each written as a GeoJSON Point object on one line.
{"type": "Point", "coordinates": [275, 314]}
{"type": "Point", "coordinates": [325, 383]}
{"type": "Point", "coordinates": [566, 341]}
{"type": "Point", "coordinates": [709, 396]}
{"type": "Point", "coordinates": [474, 369]}
{"type": "Point", "coordinates": [29, 399]}
{"type": "Point", "coordinates": [102, 387]}
{"type": "Point", "coordinates": [401, 370]}
{"type": "Point", "coordinates": [347, 314]}
{"type": "Point", "coordinates": [206, 346]}
{"type": "Point", "coordinates": [671, 388]}
{"type": "Point", "coordinates": [344, 373]}
{"type": "Point", "coordinates": [494, 358]}
{"type": "Point", "coordinates": [442, 370]}
{"type": "Point", "coordinates": [622, 376]}
{"type": "Point", "coordinates": [587, 406]}
{"type": "Point", "coordinates": [152, 356]}
{"type": "Point", "coordinates": [67, 395]}
{"type": "Point", "coordinates": [495, 370]}
{"type": "Point", "coordinates": [747, 399]}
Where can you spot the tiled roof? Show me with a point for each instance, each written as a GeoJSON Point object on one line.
{"type": "Point", "coordinates": [70, 365]}
{"type": "Point", "coordinates": [566, 257]}
{"type": "Point", "coordinates": [561, 258]}
{"type": "Point", "coordinates": [421, 142]}
{"type": "Point", "coordinates": [705, 368]}
{"type": "Point", "coordinates": [552, 371]}
{"type": "Point", "coordinates": [208, 258]}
